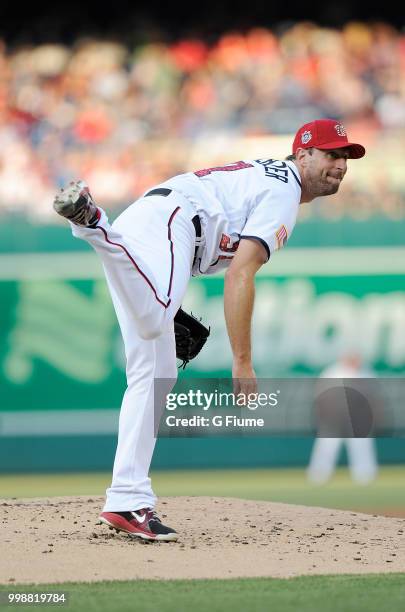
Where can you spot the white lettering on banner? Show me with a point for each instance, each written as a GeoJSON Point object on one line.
{"type": "Point", "coordinates": [384, 324]}
{"type": "Point", "coordinates": [77, 334]}
{"type": "Point", "coordinates": [333, 328]}
{"type": "Point", "coordinates": [293, 325]}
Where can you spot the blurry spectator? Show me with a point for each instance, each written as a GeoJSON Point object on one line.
{"type": "Point", "coordinates": [361, 452]}
{"type": "Point", "coordinates": [68, 112]}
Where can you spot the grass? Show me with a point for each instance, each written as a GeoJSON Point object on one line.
{"type": "Point", "coordinates": [369, 593]}
{"type": "Point", "coordinates": [386, 494]}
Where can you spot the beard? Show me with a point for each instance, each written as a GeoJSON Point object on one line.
{"type": "Point", "coordinates": [319, 187]}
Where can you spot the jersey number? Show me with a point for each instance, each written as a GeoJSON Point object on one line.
{"type": "Point", "coordinates": [240, 165]}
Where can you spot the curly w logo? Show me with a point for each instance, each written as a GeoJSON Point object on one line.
{"type": "Point", "coordinates": [62, 326]}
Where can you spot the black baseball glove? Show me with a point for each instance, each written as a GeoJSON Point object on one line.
{"type": "Point", "coordinates": [191, 335]}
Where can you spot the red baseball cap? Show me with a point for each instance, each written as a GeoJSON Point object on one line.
{"type": "Point", "coordinates": [326, 134]}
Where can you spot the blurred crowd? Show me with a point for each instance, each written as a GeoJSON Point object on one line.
{"type": "Point", "coordinates": [124, 119]}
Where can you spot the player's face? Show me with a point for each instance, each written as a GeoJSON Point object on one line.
{"type": "Point", "coordinates": [324, 170]}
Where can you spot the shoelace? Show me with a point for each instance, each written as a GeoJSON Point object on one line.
{"type": "Point", "coordinates": [154, 516]}
{"type": "Point", "coordinates": [151, 514]}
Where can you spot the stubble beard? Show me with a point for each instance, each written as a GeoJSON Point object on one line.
{"type": "Point", "coordinates": [321, 187]}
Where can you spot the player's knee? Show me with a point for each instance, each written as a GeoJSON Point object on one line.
{"type": "Point", "coordinates": [149, 333]}
{"type": "Point", "coordinates": [150, 329]}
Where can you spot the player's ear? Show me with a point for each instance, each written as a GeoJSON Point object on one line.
{"type": "Point", "coordinates": [302, 155]}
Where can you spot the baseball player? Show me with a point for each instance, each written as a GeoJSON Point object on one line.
{"type": "Point", "coordinates": [235, 217]}
{"type": "Point", "coordinates": [361, 452]}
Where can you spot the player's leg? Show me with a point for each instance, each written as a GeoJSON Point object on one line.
{"type": "Point", "coordinates": [362, 459]}
{"type": "Point", "coordinates": [130, 499]}
{"type": "Point", "coordinates": [144, 273]}
{"type": "Point", "coordinates": [147, 256]}
{"type": "Point", "coordinates": [146, 360]}
{"type": "Point", "coordinates": [130, 491]}
{"type": "Point", "coordinates": [142, 252]}
{"type": "Point", "coordinates": [323, 460]}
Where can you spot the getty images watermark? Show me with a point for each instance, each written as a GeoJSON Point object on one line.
{"type": "Point", "coordinates": [214, 400]}
{"type": "Point", "coordinates": [297, 407]}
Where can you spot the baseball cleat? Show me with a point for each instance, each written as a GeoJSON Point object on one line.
{"type": "Point", "coordinates": [76, 204]}
{"type": "Point", "coordinates": [144, 524]}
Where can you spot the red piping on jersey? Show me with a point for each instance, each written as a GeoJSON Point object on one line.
{"type": "Point", "coordinates": [169, 235]}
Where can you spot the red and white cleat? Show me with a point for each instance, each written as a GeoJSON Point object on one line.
{"type": "Point", "coordinates": [143, 523]}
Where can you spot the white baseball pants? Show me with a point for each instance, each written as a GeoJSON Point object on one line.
{"type": "Point", "coordinates": [147, 255]}
{"type": "Point", "coordinates": [361, 455]}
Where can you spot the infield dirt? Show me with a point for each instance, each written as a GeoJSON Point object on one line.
{"type": "Point", "coordinates": [59, 539]}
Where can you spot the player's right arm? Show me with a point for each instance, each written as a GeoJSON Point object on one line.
{"type": "Point", "coordinates": [239, 292]}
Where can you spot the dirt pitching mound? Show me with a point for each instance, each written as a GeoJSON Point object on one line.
{"type": "Point", "coordinates": [58, 539]}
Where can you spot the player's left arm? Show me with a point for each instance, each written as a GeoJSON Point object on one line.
{"type": "Point", "coordinates": [239, 292]}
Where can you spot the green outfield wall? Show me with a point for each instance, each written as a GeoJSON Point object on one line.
{"type": "Point", "coordinates": [19, 235]}
{"type": "Point", "coordinates": [62, 365]}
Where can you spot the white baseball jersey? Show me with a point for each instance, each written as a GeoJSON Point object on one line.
{"type": "Point", "coordinates": [247, 199]}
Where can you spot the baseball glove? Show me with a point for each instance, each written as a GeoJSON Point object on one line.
{"type": "Point", "coordinates": [191, 335]}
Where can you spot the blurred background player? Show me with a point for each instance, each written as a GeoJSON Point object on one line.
{"type": "Point", "coordinates": [361, 452]}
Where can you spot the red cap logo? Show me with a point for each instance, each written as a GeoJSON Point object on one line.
{"type": "Point", "coordinates": [326, 134]}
